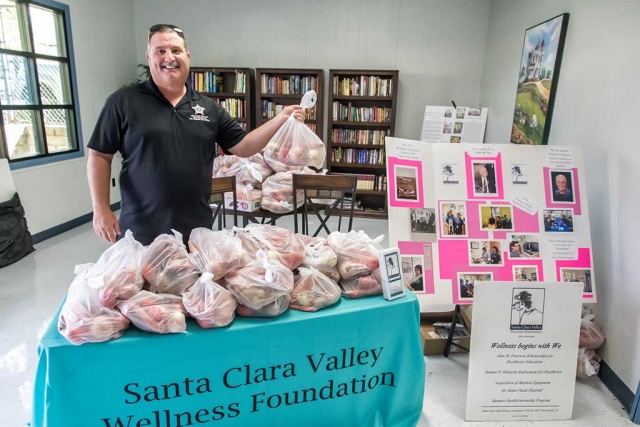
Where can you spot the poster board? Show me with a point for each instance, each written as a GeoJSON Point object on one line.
{"type": "Point", "coordinates": [525, 345]}
{"type": "Point", "coordinates": [454, 125]}
{"type": "Point", "coordinates": [446, 229]}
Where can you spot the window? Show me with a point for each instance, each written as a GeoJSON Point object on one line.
{"type": "Point", "coordinates": [38, 97]}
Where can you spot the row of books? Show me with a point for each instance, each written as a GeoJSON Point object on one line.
{"type": "Point", "coordinates": [271, 109]}
{"type": "Point", "coordinates": [208, 81]}
{"type": "Point", "coordinates": [354, 136]}
{"type": "Point", "coordinates": [372, 182]}
{"type": "Point", "coordinates": [312, 126]}
{"type": "Point", "coordinates": [348, 113]}
{"type": "Point", "coordinates": [290, 85]}
{"type": "Point", "coordinates": [236, 108]}
{"type": "Point", "coordinates": [357, 155]}
{"type": "Point", "coordinates": [362, 86]}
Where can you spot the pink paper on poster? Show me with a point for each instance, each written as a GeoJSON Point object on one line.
{"type": "Point", "coordinates": [575, 205]}
{"type": "Point", "coordinates": [417, 248]}
{"type": "Point", "coordinates": [414, 167]}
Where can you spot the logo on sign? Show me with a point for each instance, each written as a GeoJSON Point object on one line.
{"type": "Point", "coordinates": [527, 309]}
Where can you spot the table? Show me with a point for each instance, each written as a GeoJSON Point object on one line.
{"type": "Point", "coordinates": [357, 363]}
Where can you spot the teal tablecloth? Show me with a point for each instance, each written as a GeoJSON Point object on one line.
{"type": "Point", "coordinates": [358, 363]}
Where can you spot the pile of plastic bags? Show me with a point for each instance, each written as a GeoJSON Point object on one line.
{"type": "Point", "coordinates": [257, 271]}
{"type": "Point", "coordinates": [591, 338]}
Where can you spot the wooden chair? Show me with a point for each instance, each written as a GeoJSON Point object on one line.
{"type": "Point", "coordinates": [327, 187]}
{"type": "Point", "coordinates": [219, 186]}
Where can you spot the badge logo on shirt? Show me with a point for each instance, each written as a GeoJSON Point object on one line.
{"type": "Point", "coordinates": [199, 114]}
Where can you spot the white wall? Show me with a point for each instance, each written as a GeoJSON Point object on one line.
{"type": "Point", "coordinates": [104, 48]}
{"type": "Point", "coordinates": [596, 108]}
{"type": "Point", "coordinates": [438, 46]}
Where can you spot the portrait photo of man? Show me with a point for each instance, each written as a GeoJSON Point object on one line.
{"type": "Point", "coordinates": [562, 186]}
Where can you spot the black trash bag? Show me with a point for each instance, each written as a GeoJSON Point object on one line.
{"type": "Point", "coordinates": [15, 239]}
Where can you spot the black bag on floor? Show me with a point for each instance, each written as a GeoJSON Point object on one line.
{"type": "Point", "coordinates": [15, 239]}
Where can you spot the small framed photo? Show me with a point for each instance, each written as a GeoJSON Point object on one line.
{"type": "Point", "coordinates": [406, 183]}
{"type": "Point", "coordinates": [413, 267]}
{"type": "Point", "coordinates": [558, 220]}
{"type": "Point", "coordinates": [450, 173]}
{"type": "Point", "coordinates": [485, 253]}
{"type": "Point", "coordinates": [460, 112]}
{"type": "Point", "coordinates": [453, 219]}
{"type": "Point", "coordinates": [423, 224]}
{"type": "Point", "coordinates": [457, 128]}
{"type": "Point", "coordinates": [499, 217]}
{"type": "Point", "coordinates": [519, 174]}
{"type": "Point", "coordinates": [562, 186]}
{"type": "Point", "coordinates": [467, 282]}
{"type": "Point", "coordinates": [448, 127]}
{"type": "Point", "coordinates": [523, 246]}
{"type": "Point", "coordinates": [449, 113]}
{"type": "Point", "coordinates": [484, 177]}
{"type": "Point", "coordinates": [391, 273]}
{"type": "Point", "coordinates": [525, 273]}
{"type": "Point", "coordinates": [476, 112]}
{"type": "Point", "coordinates": [455, 139]}
{"type": "Point", "coordinates": [581, 275]}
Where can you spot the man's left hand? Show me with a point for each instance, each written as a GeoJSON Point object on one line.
{"type": "Point", "coordinates": [295, 111]}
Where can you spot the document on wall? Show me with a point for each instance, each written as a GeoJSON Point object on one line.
{"type": "Point", "coordinates": [524, 347]}
{"type": "Point", "coordinates": [454, 125]}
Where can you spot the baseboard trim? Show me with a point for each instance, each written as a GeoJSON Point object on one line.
{"type": "Point", "coordinates": [69, 225]}
{"type": "Point", "coordinates": [616, 386]}
{"type": "Point", "coordinates": [635, 410]}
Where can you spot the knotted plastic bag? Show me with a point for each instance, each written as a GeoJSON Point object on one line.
{"type": "Point", "coordinates": [357, 252]}
{"type": "Point", "coordinates": [209, 303]}
{"type": "Point", "coordinates": [159, 313]}
{"type": "Point", "coordinates": [216, 252]}
{"type": "Point", "coordinates": [313, 290]}
{"type": "Point", "coordinates": [294, 144]}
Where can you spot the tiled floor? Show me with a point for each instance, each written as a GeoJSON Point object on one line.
{"type": "Point", "coordinates": [31, 289]}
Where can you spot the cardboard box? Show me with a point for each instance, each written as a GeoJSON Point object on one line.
{"type": "Point", "coordinates": [243, 205]}
{"type": "Point", "coordinates": [432, 342]}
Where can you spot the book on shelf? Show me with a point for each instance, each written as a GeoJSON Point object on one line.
{"type": "Point", "coordinates": [356, 136]}
{"type": "Point", "coordinates": [348, 113]}
{"type": "Point", "coordinates": [211, 82]}
{"type": "Point", "coordinates": [236, 108]}
{"type": "Point", "coordinates": [271, 109]}
{"type": "Point", "coordinates": [312, 126]}
{"type": "Point", "coordinates": [357, 156]}
{"type": "Point", "coordinates": [365, 85]}
{"type": "Point", "coordinates": [371, 182]}
{"type": "Point", "coordinates": [290, 85]}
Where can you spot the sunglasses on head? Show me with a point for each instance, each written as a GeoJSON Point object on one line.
{"type": "Point", "coordinates": [158, 27]}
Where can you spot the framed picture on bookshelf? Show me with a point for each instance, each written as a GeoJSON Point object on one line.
{"type": "Point", "coordinates": [538, 81]}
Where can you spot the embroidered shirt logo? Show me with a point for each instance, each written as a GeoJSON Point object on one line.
{"type": "Point", "coordinates": [199, 114]}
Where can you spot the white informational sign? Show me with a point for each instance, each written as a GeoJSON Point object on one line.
{"type": "Point", "coordinates": [524, 349]}
{"type": "Point", "coordinates": [466, 213]}
{"type": "Point", "coordinates": [454, 125]}
{"type": "Point", "coordinates": [7, 188]}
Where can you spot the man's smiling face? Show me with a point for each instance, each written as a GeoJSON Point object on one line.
{"type": "Point", "coordinates": [168, 59]}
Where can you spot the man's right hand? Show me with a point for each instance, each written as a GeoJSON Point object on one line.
{"type": "Point", "coordinates": [105, 225]}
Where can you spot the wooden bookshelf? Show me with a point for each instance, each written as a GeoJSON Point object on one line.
{"type": "Point", "coordinates": [357, 101]}
{"type": "Point", "coordinates": [272, 93]}
{"type": "Point", "coordinates": [228, 91]}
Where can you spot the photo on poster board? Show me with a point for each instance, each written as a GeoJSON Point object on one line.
{"type": "Point", "coordinates": [484, 177]}
{"type": "Point", "coordinates": [406, 182]}
{"type": "Point", "coordinates": [448, 127]}
{"type": "Point", "coordinates": [527, 310]}
{"type": "Point", "coordinates": [525, 273]}
{"type": "Point", "coordinates": [562, 186]}
{"type": "Point", "coordinates": [519, 174]}
{"type": "Point", "coordinates": [453, 221]}
{"type": "Point", "coordinates": [523, 246]}
{"type": "Point", "coordinates": [496, 217]}
{"type": "Point", "coordinates": [537, 81]}
{"type": "Point", "coordinates": [475, 112]}
{"type": "Point", "coordinates": [450, 173]}
{"type": "Point", "coordinates": [460, 113]}
{"type": "Point", "coordinates": [457, 127]}
{"type": "Point", "coordinates": [558, 220]}
{"type": "Point", "coordinates": [582, 275]}
{"type": "Point", "coordinates": [486, 253]}
{"type": "Point", "coordinates": [455, 139]}
{"type": "Point", "coordinates": [412, 272]}
{"type": "Point", "coordinates": [467, 282]}
{"type": "Point", "coordinates": [423, 224]}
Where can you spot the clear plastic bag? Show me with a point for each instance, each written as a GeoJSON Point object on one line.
{"type": "Point", "coordinates": [261, 282]}
{"type": "Point", "coordinates": [273, 309]}
{"type": "Point", "coordinates": [216, 252]}
{"type": "Point", "coordinates": [363, 286]}
{"type": "Point", "coordinates": [166, 266]}
{"type": "Point", "coordinates": [252, 170]}
{"type": "Point", "coordinates": [277, 191]}
{"type": "Point", "coordinates": [117, 274]}
{"type": "Point", "coordinates": [277, 242]}
{"type": "Point", "coordinates": [209, 303]}
{"type": "Point", "coordinates": [83, 318]}
{"type": "Point", "coordinates": [591, 335]}
{"type": "Point", "coordinates": [294, 144]}
{"type": "Point", "coordinates": [357, 252]}
{"type": "Point", "coordinates": [312, 290]}
{"type": "Point", "coordinates": [159, 313]}
{"type": "Point", "coordinates": [244, 192]}
{"type": "Point", "coordinates": [319, 255]}
{"type": "Point", "coordinates": [588, 363]}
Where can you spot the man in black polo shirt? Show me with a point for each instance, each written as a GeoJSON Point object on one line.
{"type": "Point", "coordinates": [166, 133]}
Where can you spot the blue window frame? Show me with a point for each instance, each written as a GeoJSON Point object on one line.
{"type": "Point", "coordinates": [39, 111]}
